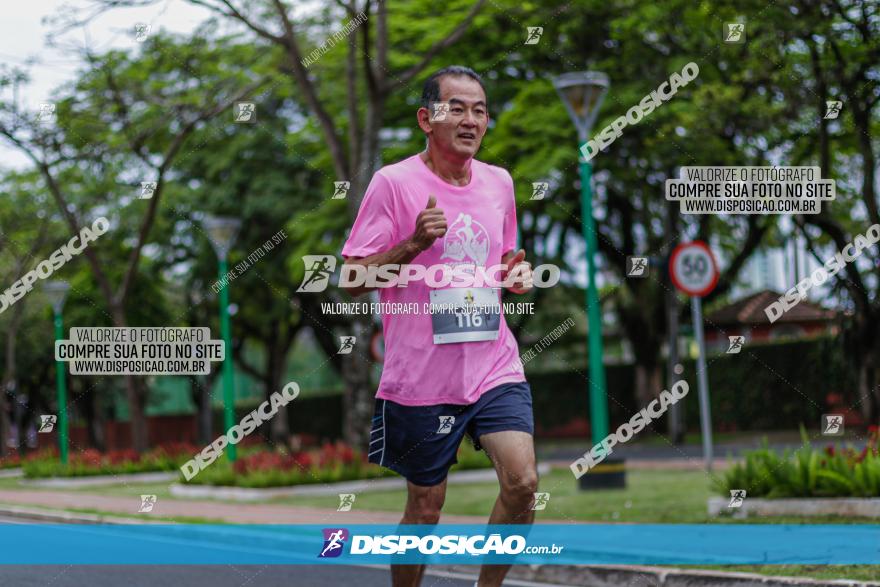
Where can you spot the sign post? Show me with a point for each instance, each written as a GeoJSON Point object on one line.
{"type": "Point", "coordinates": [693, 270]}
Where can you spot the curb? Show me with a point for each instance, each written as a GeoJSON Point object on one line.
{"type": "Point", "coordinates": [650, 576]}
{"type": "Point", "coordinates": [65, 517]}
{"type": "Point", "coordinates": [90, 480]}
{"type": "Point", "coordinates": [868, 507]}
{"type": "Point", "coordinates": [11, 473]}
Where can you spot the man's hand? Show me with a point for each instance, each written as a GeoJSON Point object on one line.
{"type": "Point", "coordinates": [518, 277]}
{"type": "Point", "coordinates": [430, 225]}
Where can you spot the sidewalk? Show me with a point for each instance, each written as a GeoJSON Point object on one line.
{"type": "Point", "coordinates": [232, 513]}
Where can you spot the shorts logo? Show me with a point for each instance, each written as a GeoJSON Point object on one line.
{"type": "Point", "coordinates": [446, 423]}
{"type": "Point", "coordinates": [466, 239]}
{"type": "Point", "coordinates": [334, 542]}
{"type": "Point", "coordinates": [319, 268]}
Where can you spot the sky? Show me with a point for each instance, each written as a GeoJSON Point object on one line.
{"type": "Point", "coordinates": [23, 35]}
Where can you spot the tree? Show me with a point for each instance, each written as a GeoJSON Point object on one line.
{"type": "Point", "coordinates": [112, 130]}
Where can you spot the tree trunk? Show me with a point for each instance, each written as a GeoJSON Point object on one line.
{"type": "Point", "coordinates": [649, 382]}
{"type": "Point", "coordinates": [10, 381]}
{"type": "Point", "coordinates": [358, 399]}
{"type": "Point", "coordinates": [137, 402]}
{"type": "Point", "coordinates": [279, 426]}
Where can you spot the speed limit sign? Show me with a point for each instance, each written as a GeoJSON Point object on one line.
{"type": "Point", "coordinates": [693, 269]}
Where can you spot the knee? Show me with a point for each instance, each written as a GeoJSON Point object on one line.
{"type": "Point", "coordinates": [520, 489]}
{"type": "Point", "coordinates": [424, 509]}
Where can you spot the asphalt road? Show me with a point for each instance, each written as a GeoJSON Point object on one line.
{"type": "Point", "coordinates": [207, 576]}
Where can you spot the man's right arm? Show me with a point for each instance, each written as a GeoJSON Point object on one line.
{"type": "Point", "coordinates": [430, 225]}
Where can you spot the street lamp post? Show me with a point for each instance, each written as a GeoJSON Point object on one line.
{"type": "Point", "coordinates": [582, 93]}
{"type": "Point", "coordinates": [56, 291]}
{"type": "Point", "coordinates": [222, 232]}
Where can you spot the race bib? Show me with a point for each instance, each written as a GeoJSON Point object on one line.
{"type": "Point", "coordinates": [465, 314]}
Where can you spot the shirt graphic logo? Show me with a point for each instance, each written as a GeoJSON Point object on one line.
{"type": "Point", "coordinates": [466, 240]}
{"type": "Point", "coordinates": [334, 541]}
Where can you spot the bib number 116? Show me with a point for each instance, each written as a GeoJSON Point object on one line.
{"type": "Point", "coordinates": [467, 319]}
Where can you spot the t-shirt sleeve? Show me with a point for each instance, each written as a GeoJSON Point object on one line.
{"type": "Point", "coordinates": [508, 241]}
{"type": "Point", "coordinates": [374, 230]}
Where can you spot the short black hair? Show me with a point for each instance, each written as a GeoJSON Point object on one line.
{"type": "Point", "coordinates": [431, 89]}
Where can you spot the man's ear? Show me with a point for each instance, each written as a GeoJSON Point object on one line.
{"type": "Point", "coordinates": [423, 116]}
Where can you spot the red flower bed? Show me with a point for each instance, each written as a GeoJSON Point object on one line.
{"type": "Point", "coordinates": [329, 456]}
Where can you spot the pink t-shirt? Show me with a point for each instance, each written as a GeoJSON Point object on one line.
{"type": "Point", "coordinates": [481, 227]}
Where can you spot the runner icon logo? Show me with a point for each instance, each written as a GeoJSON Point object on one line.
{"type": "Point", "coordinates": [319, 268]}
{"type": "Point", "coordinates": [832, 109]}
{"type": "Point", "coordinates": [346, 500]}
{"type": "Point", "coordinates": [534, 35]}
{"type": "Point", "coordinates": [636, 266]}
{"type": "Point", "coordinates": [446, 423]}
{"type": "Point", "coordinates": [340, 189]}
{"type": "Point", "coordinates": [147, 503]}
{"type": "Point", "coordinates": [735, 32]}
{"type": "Point", "coordinates": [245, 112]}
{"type": "Point", "coordinates": [541, 500]}
{"type": "Point", "coordinates": [539, 190]}
{"type": "Point", "coordinates": [737, 497]}
{"type": "Point", "coordinates": [832, 425]}
{"type": "Point", "coordinates": [334, 541]}
{"type": "Point", "coordinates": [346, 345]}
{"type": "Point", "coordinates": [47, 423]}
{"type": "Point", "coordinates": [147, 190]}
{"type": "Point", "coordinates": [439, 110]}
{"type": "Point", "coordinates": [736, 344]}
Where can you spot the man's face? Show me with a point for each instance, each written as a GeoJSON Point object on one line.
{"type": "Point", "coordinates": [459, 130]}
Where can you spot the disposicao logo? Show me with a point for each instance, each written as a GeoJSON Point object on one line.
{"type": "Point", "coordinates": [334, 542]}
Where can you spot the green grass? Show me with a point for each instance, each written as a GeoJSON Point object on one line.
{"type": "Point", "coordinates": [650, 497]}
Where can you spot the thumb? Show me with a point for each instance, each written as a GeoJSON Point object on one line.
{"type": "Point", "coordinates": [518, 258]}
{"type": "Point", "coordinates": [432, 202]}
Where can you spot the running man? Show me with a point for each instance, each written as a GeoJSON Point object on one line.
{"type": "Point", "coordinates": [440, 380]}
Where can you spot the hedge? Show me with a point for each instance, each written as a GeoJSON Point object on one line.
{"type": "Point", "coordinates": [764, 387]}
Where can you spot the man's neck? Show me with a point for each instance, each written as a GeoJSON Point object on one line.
{"type": "Point", "coordinates": [453, 171]}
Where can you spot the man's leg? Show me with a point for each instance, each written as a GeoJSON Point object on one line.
{"type": "Point", "coordinates": [513, 454]}
{"type": "Point", "coordinates": [423, 505]}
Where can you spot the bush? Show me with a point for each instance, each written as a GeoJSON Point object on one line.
{"type": "Point", "coordinates": [807, 472]}
{"type": "Point", "coordinates": [167, 457]}
{"type": "Point", "coordinates": [330, 464]}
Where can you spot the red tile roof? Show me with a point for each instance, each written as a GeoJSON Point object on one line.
{"type": "Point", "coordinates": [750, 310]}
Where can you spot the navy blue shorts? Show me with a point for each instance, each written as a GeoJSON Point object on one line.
{"type": "Point", "coordinates": [421, 442]}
